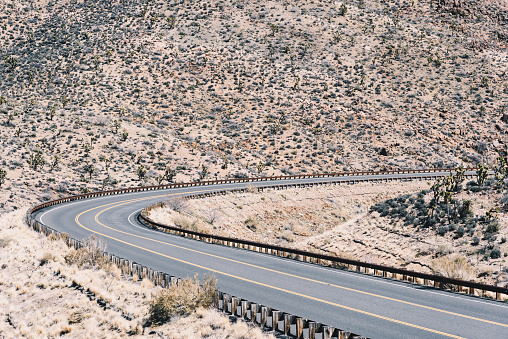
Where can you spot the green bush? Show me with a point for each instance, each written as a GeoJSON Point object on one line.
{"type": "Point", "coordinates": [493, 227]}
{"type": "Point", "coordinates": [495, 254]}
{"type": "Point", "coordinates": [182, 299]}
{"type": "Point", "coordinates": [460, 231]}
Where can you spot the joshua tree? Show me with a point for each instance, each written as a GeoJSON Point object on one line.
{"type": "Point", "coordinates": [169, 174]}
{"type": "Point", "coordinates": [106, 161]}
{"type": "Point", "coordinates": [274, 28]}
{"type": "Point", "coordinates": [204, 172]}
{"type": "Point", "coordinates": [501, 170]}
{"type": "Point", "coordinates": [141, 172]}
{"type": "Point", "coordinates": [54, 163]}
{"type": "Point", "coordinates": [125, 135]}
{"type": "Point", "coordinates": [343, 10]}
{"type": "Point", "coordinates": [90, 169]}
{"type": "Point", "coordinates": [159, 179]}
{"type": "Point", "coordinates": [481, 174]}
{"type": "Point", "coordinates": [260, 167]}
{"type": "Point", "coordinates": [225, 164]}
{"type": "Point", "coordinates": [35, 160]}
{"type": "Point", "coordinates": [116, 126]}
{"type": "Point", "coordinates": [12, 63]}
{"type": "Point", "coordinates": [171, 21]}
{"type": "Point", "coordinates": [87, 148]}
{"type": "Point", "coordinates": [52, 112]}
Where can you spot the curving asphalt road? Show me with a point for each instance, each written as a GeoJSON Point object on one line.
{"type": "Point", "coordinates": [371, 306]}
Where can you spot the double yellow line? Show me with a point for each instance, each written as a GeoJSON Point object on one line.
{"type": "Point", "coordinates": [120, 203]}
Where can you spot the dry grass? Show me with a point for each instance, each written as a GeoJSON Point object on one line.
{"type": "Point", "coordinates": [182, 299]}
{"type": "Point", "coordinates": [453, 266]}
{"type": "Point", "coordinates": [42, 296]}
{"type": "Point", "coordinates": [90, 254]}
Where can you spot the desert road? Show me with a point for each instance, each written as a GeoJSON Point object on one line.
{"type": "Point", "coordinates": [371, 306]}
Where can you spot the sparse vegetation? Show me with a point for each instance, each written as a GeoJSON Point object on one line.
{"type": "Point", "coordinates": [90, 254]}
{"type": "Point", "coordinates": [182, 299]}
{"type": "Point", "coordinates": [454, 266]}
{"type": "Point", "coordinates": [148, 93]}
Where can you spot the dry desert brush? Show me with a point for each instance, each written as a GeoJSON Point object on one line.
{"type": "Point", "coordinates": [182, 299]}
{"type": "Point", "coordinates": [90, 254]}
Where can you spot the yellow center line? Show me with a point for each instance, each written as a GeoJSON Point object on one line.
{"type": "Point", "coordinates": [266, 269]}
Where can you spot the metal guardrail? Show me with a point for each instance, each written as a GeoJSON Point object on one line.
{"type": "Point", "coordinates": [236, 180]}
{"type": "Point", "coordinates": [262, 315]}
{"type": "Point", "coordinates": [327, 260]}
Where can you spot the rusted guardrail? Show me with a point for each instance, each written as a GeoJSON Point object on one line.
{"type": "Point", "coordinates": [236, 180]}
{"type": "Point", "coordinates": [326, 260]}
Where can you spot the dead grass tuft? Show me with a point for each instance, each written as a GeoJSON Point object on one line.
{"type": "Point", "coordinates": [182, 299]}
{"type": "Point", "coordinates": [453, 266]}
{"type": "Point", "coordinates": [90, 254]}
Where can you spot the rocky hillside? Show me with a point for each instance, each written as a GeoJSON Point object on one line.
{"type": "Point", "coordinates": [104, 94]}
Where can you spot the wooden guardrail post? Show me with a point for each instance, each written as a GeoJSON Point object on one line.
{"type": "Point", "coordinates": [310, 331]}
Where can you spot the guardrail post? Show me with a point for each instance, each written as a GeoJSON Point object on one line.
{"type": "Point", "coordinates": [254, 309]}
{"type": "Point", "coordinates": [288, 320]}
{"type": "Point", "coordinates": [261, 316]}
{"type": "Point", "coordinates": [277, 321]}
{"type": "Point", "coordinates": [245, 306]}
{"type": "Point", "coordinates": [297, 327]}
{"type": "Point", "coordinates": [310, 331]}
{"type": "Point", "coordinates": [227, 302]}
{"type": "Point", "coordinates": [234, 305]}
{"type": "Point", "coordinates": [327, 332]}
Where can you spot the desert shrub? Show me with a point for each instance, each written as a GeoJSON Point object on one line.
{"type": "Point", "coordinates": [300, 230]}
{"type": "Point", "coordinates": [460, 231]}
{"type": "Point", "coordinates": [495, 254]}
{"type": "Point", "coordinates": [251, 188]}
{"type": "Point", "coordinates": [288, 236]}
{"type": "Point", "coordinates": [493, 227]}
{"type": "Point", "coordinates": [46, 258]}
{"type": "Point", "coordinates": [504, 198]}
{"type": "Point", "coordinates": [182, 299]}
{"type": "Point", "coordinates": [475, 241]}
{"type": "Point", "coordinates": [251, 223]}
{"type": "Point", "coordinates": [90, 254]}
{"type": "Point", "coordinates": [443, 250]}
{"type": "Point", "coordinates": [177, 203]}
{"type": "Point", "coordinates": [465, 208]}
{"type": "Point", "coordinates": [430, 222]}
{"type": "Point", "coordinates": [455, 267]}
{"type": "Point", "coordinates": [188, 224]}
{"type": "Point", "coordinates": [385, 210]}
{"type": "Point", "coordinates": [410, 220]}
